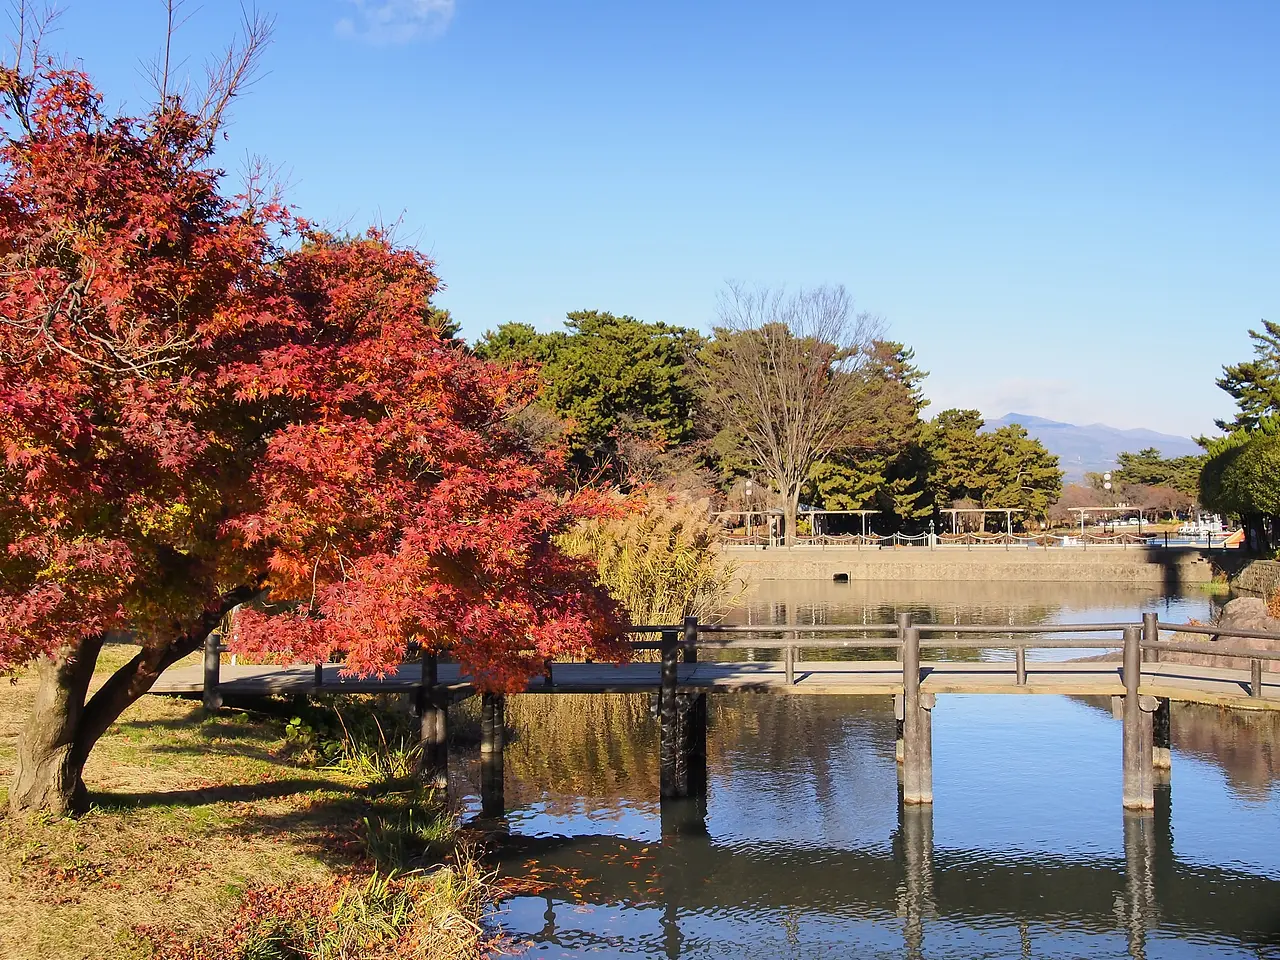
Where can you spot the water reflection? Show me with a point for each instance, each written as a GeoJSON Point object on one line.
{"type": "Point", "coordinates": [803, 846]}
{"type": "Point", "coordinates": [880, 601]}
{"type": "Point", "coordinates": [687, 895]}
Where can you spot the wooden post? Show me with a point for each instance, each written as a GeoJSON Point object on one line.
{"type": "Point", "coordinates": [682, 719]}
{"type": "Point", "coordinates": [691, 711]}
{"type": "Point", "coordinates": [690, 640]}
{"type": "Point", "coordinates": [924, 733]}
{"type": "Point", "coordinates": [1139, 784]}
{"type": "Point", "coordinates": [671, 772]}
{"type": "Point", "coordinates": [492, 742]}
{"type": "Point", "coordinates": [898, 714]}
{"type": "Point", "coordinates": [789, 663]}
{"type": "Point", "coordinates": [691, 708]}
{"type": "Point", "coordinates": [1150, 634]}
{"type": "Point", "coordinates": [917, 739]}
{"type": "Point", "coordinates": [319, 675]}
{"type": "Point", "coordinates": [1020, 665]}
{"type": "Point", "coordinates": [1255, 678]}
{"type": "Point", "coordinates": [899, 750]}
{"type": "Point", "coordinates": [212, 670]}
{"type": "Point", "coordinates": [433, 719]}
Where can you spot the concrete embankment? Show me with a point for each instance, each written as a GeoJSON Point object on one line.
{"type": "Point", "coordinates": [1172, 569]}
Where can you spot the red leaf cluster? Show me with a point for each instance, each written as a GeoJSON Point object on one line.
{"type": "Point", "coordinates": [202, 396]}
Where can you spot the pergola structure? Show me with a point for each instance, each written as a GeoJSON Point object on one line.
{"type": "Point", "coordinates": [1085, 511]}
{"type": "Point", "coordinates": [1007, 511]}
{"type": "Point", "coordinates": [749, 517]}
{"type": "Point", "coordinates": [817, 515]}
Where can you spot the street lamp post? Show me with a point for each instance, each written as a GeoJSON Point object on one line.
{"type": "Point", "coordinates": [1106, 485]}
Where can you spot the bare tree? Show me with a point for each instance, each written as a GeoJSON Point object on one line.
{"type": "Point", "coordinates": [784, 378]}
{"type": "Point", "coordinates": [1164, 499]}
{"type": "Point", "coordinates": [1074, 495]}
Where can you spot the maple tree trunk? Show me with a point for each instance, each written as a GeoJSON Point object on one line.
{"type": "Point", "coordinates": [47, 776]}
{"type": "Point", "coordinates": [65, 724]}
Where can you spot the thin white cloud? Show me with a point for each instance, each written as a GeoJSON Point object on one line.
{"type": "Point", "coordinates": [396, 21]}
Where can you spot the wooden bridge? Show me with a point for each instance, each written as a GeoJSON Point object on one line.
{"type": "Point", "coordinates": [1142, 684]}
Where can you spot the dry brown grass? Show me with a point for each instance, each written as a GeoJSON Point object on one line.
{"type": "Point", "coordinates": [189, 812]}
{"type": "Point", "coordinates": [1273, 604]}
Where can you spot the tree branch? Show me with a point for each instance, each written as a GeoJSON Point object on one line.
{"type": "Point", "coordinates": [136, 677]}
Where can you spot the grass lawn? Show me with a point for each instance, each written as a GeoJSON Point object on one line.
{"type": "Point", "coordinates": [190, 812]}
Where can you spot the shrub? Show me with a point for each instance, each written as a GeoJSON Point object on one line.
{"type": "Point", "coordinates": [362, 737]}
{"type": "Point", "coordinates": [662, 561]}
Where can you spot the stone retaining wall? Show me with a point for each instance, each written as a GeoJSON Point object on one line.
{"type": "Point", "coordinates": [1249, 614]}
{"type": "Point", "coordinates": [1258, 577]}
{"type": "Point", "coordinates": [1172, 568]}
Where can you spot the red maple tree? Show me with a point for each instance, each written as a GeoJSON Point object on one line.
{"type": "Point", "coordinates": [204, 402]}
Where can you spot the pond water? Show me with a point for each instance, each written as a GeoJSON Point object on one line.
{"type": "Point", "coordinates": [802, 847]}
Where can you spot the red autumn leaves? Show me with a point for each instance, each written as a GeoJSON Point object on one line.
{"type": "Point", "coordinates": [202, 394]}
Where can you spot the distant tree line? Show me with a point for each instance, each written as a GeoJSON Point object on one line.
{"type": "Point", "coordinates": [1146, 481]}
{"type": "Point", "coordinates": [797, 392]}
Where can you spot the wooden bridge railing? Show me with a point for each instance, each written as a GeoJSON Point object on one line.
{"type": "Point", "coordinates": [1145, 719]}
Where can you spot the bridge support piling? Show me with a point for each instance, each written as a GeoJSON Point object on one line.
{"type": "Point", "coordinates": [1137, 749]}
{"type": "Point", "coordinates": [1161, 739]}
{"type": "Point", "coordinates": [682, 719]}
{"type": "Point", "coordinates": [904, 621]}
{"type": "Point", "coordinates": [1161, 758]}
{"type": "Point", "coordinates": [492, 741]}
{"type": "Point", "coordinates": [897, 721]}
{"type": "Point", "coordinates": [433, 720]}
{"type": "Point", "coordinates": [917, 734]}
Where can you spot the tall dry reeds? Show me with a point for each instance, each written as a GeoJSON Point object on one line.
{"type": "Point", "coordinates": [662, 561]}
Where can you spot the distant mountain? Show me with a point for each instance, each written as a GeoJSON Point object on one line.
{"type": "Point", "coordinates": [1095, 447]}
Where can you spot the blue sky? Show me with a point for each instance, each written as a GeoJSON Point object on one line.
{"type": "Point", "coordinates": [1069, 210]}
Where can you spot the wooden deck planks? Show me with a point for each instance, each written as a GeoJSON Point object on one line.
{"type": "Point", "coordinates": [846, 677]}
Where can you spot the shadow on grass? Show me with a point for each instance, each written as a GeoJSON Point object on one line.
{"type": "Point", "coordinates": [203, 796]}
{"type": "Point", "coordinates": [243, 725]}
{"type": "Point", "coordinates": [230, 751]}
{"type": "Point", "coordinates": [394, 831]}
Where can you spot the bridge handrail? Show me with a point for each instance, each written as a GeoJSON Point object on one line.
{"type": "Point", "coordinates": [905, 636]}
{"type": "Point", "coordinates": [976, 628]}
{"type": "Point", "coordinates": [791, 639]}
